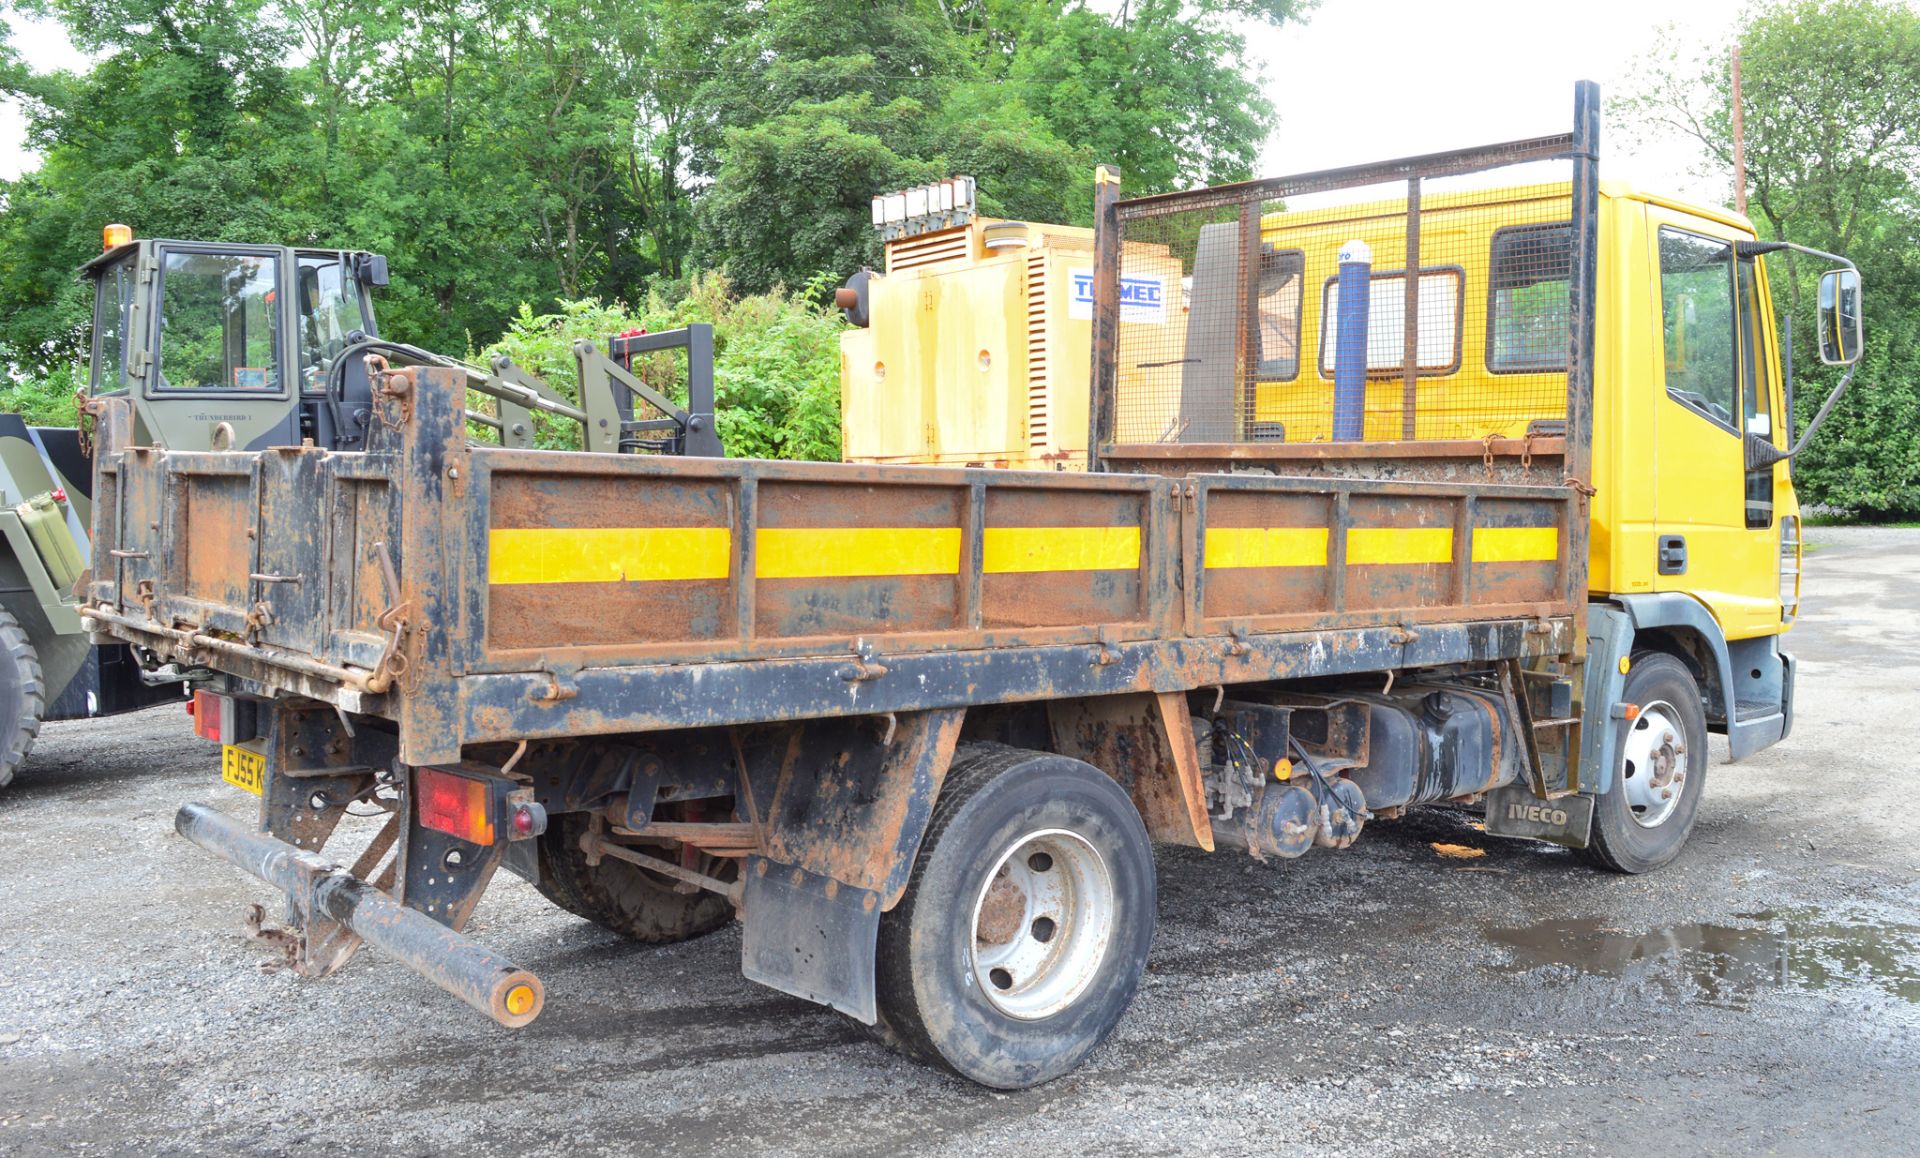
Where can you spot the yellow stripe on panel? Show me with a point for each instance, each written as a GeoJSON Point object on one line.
{"type": "Point", "coordinates": [1010, 550]}
{"type": "Point", "coordinates": [852, 552]}
{"type": "Point", "coordinates": [1266, 547]}
{"type": "Point", "coordinates": [517, 555]}
{"type": "Point", "coordinates": [1516, 544]}
{"type": "Point", "coordinates": [1399, 545]}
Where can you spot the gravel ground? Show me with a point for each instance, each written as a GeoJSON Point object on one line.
{"type": "Point", "coordinates": [1761, 995]}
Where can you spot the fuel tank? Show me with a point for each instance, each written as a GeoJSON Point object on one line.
{"type": "Point", "coordinates": [1430, 742]}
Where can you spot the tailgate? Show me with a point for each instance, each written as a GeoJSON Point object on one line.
{"type": "Point", "coordinates": [279, 555]}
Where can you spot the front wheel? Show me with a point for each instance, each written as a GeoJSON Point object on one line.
{"type": "Point", "coordinates": [1648, 811]}
{"type": "Point", "coordinates": [23, 696]}
{"type": "Point", "coordinates": [1024, 929]}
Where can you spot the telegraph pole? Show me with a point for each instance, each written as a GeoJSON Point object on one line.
{"type": "Point", "coordinates": [1739, 141]}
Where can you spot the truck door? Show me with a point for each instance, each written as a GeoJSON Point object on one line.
{"type": "Point", "coordinates": [1714, 522]}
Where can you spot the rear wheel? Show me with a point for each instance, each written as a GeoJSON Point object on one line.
{"type": "Point", "coordinates": [626, 898]}
{"type": "Point", "coordinates": [23, 698]}
{"type": "Point", "coordinates": [1648, 811]}
{"type": "Point", "coordinates": [1025, 926]}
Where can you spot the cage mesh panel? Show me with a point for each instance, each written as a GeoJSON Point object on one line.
{"type": "Point", "coordinates": [1228, 316]}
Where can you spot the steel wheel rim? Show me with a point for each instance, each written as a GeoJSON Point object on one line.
{"type": "Point", "coordinates": [1042, 923]}
{"type": "Point", "coordinates": [1653, 764]}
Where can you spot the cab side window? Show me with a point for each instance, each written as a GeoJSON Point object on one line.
{"type": "Point", "coordinates": [219, 322]}
{"type": "Point", "coordinates": [329, 311]}
{"type": "Point", "coordinates": [114, 295]}
{"type": "Point", "coordinates": [1696, 301]}
{"type": "Point", "coordinates": [1756, 382]}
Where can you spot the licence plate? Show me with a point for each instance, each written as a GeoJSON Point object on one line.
{"type": "Point", "coordinates": [243, 768]}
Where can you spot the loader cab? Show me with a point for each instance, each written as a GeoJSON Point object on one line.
{"type": "Point", "coordinates": [227, 346]}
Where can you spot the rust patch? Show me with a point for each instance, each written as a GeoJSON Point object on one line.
{"type": "Point", "coordinates": [214, 566]}
{"type": "Point", "coordinates": [1127, 737]}
{"type": "Point", "coordinates": [1001, 911]}
{"type": "Point", "coordinates": [538, 615]}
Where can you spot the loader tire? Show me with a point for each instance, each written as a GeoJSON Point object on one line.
{"type": "Point", "coordinates": [625, 898]}
{"type": "Point", "coordinates": [23, 696]}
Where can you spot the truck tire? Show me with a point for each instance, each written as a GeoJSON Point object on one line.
{"type": "Point", "coordinates": [625, 898]}
{"type": "Point", "coordinates": [1024, 928]}
{"type": "Point", "coordinates": [23, 696]}
{"type": "Point", "coordinates": [1648, 810]}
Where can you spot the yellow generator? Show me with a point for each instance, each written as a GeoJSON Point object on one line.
{"type": "Point", "coordinates": [972, 346]}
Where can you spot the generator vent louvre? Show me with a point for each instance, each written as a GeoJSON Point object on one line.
{"type": "Point", "coordinates": [928, 249]}
{"type": "Point", "coordinates": [1037, 382]}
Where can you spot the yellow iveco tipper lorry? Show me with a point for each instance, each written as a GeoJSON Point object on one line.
{"type": "Point", "coordinates": [1387, 500]}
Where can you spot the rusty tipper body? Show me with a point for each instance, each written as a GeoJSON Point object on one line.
{"type": "Point", "coordinates": [916, 727]}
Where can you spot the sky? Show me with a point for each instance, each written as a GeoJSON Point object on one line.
{"type": "Point", "coordinates": [1363, 80]}
{"type": "Point", "coordinates": [1430, 75]}
{"type": "Point", "coordinates": [44, 45]}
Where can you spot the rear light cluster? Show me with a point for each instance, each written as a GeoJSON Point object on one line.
{"type": "Point", "coordinates": [455, 805]}
{"type": "Point", "coordinates": [223, 719]}
{"type": "Point", "coordinates": [476, 809]}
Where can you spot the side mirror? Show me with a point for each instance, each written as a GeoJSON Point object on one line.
{"type": "Point", "coordinates": [1839, 320]}
{"type": "Point", "coordinates": [371, 268]}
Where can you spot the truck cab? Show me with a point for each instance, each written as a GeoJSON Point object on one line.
{"type": "Point", "coordinates": [222, 345]}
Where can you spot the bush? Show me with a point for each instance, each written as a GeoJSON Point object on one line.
{"type": "Point", "coordinates": [45, 401]}
{"type": "Point", "coordinates": [1865, 460]}
{"type": "Point", "coordinates": [776, 361]}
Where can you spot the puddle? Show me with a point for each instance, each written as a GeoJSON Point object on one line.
{"type": "Point", "coordinates": [1729, 964]}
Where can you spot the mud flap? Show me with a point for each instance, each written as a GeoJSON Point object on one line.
{"type": "Point", "coordinates": [1513, 810]}
{"type": "Point", "coordinates": [851, 802]}
{"type": "Point", "coordinates": [810, 936]}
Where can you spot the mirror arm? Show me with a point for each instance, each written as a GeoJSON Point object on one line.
{"type": "Point", "coordinates": [1761, 453]}
{"type": "Point", "coordinates": [1759, 248]}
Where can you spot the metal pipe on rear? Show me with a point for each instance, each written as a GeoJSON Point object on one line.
{"type": "Point", "coordinates": [453, 961]}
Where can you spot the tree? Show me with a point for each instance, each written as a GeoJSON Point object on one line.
{"type": "Point", "coordinates": [503, 153]}
{"type": "Point", "coordinates": [1832, 110]}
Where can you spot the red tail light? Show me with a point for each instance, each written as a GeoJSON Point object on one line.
{"type": "Point", "coordinates": [453, 804]}
{"type": "Point", "coordinates": [206, 712]}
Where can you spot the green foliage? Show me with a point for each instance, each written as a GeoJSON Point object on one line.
{"type": "Point", "coordinates": [501, 152]}
{"type": "Point", "coordinates": [46, 400]}
{"type": "Point", "coordinates": [1831, 102]}
{"type": "Point", "coordinates": [776, 362]}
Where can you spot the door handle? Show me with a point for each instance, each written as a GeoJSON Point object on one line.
{"type": "Point", "coordinates": [1673, 554]}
